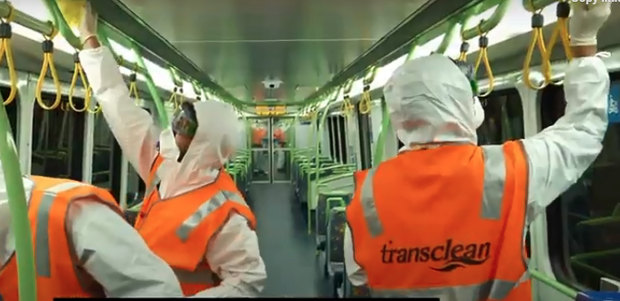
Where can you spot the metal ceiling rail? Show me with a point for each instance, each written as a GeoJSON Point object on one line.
{"type": "Point", "coordinates": [155, 47]}
{"type": "Point", "coordinates": [429, 18]}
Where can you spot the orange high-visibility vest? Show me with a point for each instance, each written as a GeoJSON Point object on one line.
{"type": "Point", "coordinates": [57, 271]}
{"type": "Point", "coordinates": [447, 222]}
{"type": "Point", "coordinates": [179, 229]}
{"type": "Point", "coordinates": [279, 135]}
{"type": "Point", "coordinates": [258, 134]}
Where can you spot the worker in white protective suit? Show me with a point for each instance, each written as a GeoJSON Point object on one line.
{"type": "Point", "coordinates": [447, 218]}
{"type": "Point", "coordinates": [83, 246]}
{"type": "Point", "coordinates": [204, 230]}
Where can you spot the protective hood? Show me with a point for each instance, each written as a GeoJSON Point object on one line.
{"type": "Point", "coordinates": [7, 243]}
{"type": "Point", "coordinates": [216, 139]}
{"type": "Point", "coordinates": [430, 100]}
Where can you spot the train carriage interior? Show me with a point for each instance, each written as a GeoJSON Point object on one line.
{"type": "Point", "coordinates": [306, 80]}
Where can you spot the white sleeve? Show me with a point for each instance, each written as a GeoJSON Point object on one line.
{"type": "Point", "coordinates": [357, 276]}
{"type": "Point", "coordinates": [559, 155]}
{"type": "Point", "coordinates": [132, 126]}
{"type": "Point", "coordinates": [233, 254]}
{"type": "Point", "coordinates": [115, 255]}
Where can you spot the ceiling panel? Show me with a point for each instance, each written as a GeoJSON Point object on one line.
{"type": "Point", "coordinates": [302, 43]}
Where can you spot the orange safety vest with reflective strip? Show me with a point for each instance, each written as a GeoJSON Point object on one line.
{"type": "Point", "coordinates": [179, 229]}
{"type": "Point", "coordinates": [56, 265]}
{"type": "Point", "coordinates": [445, 222]}
{"type": "Point", "coordinates": [258, 134]}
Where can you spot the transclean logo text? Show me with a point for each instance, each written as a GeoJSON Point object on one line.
{"type": "Point", "coordinates": [451, 255]}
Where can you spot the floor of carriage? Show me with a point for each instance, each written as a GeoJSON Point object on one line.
{"type": "Point", "coordinates": [293, 269]}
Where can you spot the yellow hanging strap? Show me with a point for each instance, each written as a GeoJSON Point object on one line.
{"type": "Point", "coordinates": [133, 86]}
{"type": "Point", "coordinates": [89, 93]}
{"type": "Point", "coordinates": [537, 40]}
{"type": "Point", "coordinates": [48, 63]}
{"type": "Point", "coordinates": [365, 103]}
{"type": "Point", "coordinates": [463, 54]}
{"type": "Point", "coordinates": [79, 72]}
{"type": "Point", "coordinates": [347, 107]}
{"type": "Point", "coordinates": [5, 48]}
{"type": "Point", "coordinates": [561, 31]}
{"type": "Point", "coordinates": [483, 57]}
{"type": "Point", "coordinates": [175, 98]}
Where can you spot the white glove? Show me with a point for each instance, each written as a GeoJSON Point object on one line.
{"type": "Point", "coordinates": [586, 21]}
{"type": "Point", "coordinates": [88, 26]}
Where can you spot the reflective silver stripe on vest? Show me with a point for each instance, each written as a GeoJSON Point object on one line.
{"type": "Point", "coordinates": [152, 186]}
{"type": "Point", "coordinates": [204, 210]}
{"type": "Point", "coordinates": [368, 205]}
{"type": "Point", "coordinates": [494, 179]}
{"type": "Point", "coordinates": [42, 244]}
{"type": "Point", "coordinates": [196, 277]}
{"type": "Point", "coordinates": [493, 289]}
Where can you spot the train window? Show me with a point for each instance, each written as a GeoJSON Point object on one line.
{"type": "Point", "coordinates": [332, 137]}
{"type": "Point", "coordinates": [584, 222]}
{"type": "Point", "coordinates": [102, 153]}
{"type": "Point", "coordinates": [57, 137]}
{"type": "Point", "coordinates": [337, 139]}
{"type": "Point", "coordinates": [343, 138]}
{"type": "Point", "coordinates": [11, 110]}
{"type": "Point", "coordinates": [503, 118]}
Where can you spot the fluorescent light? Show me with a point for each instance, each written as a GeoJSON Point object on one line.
{"type": "Point", "coordinates": [188, 90]}
{"type": "Point", "coordinates": [357, 87]}
{"type": "Point", "coordinates": [123, 51]}
{"type": "Point", "coordinates": [33, 8]}
{"type": "Point", "coordinates": [384, 73]}
{"type": "Point", "coordinates": [127, 72]}
{"type": "Point", "coordinates": [428, 47]}
{"type": "Point", "coordinates": [160, 75]}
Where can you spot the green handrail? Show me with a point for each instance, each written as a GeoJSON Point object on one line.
{"type": "Point", "coordinates": [534, 5]}
{"type": "Point", "coordinates": [63, 28]}
{"type": "Point", "coordinates": [447, 39]}
{"type": "Point", "coordinates": [159, 105]}
{"type": "Point", "coordinates": [19, 17]}
{"type": "Point", "coordinates": [19, 211]}
{"type": "Point", "coordinates": [103, 33]}
{"type": "Point", "coordinates": [486, 25]}
{"type": "Point", "coordinates": [565, 290]}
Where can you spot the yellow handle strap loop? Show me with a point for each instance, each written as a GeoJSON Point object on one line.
{"type": "Point", "coordinates": [48, 63]}
{"type": "Point", "coordinates": [537, 40]}
{"type": "Point", "coordinates": [483, 57]}
{"type": "Point", "coordinates": [365, 103]}
{"type": "Point", "coordinates": [561, 31]}
{"type": "Point", "coordinates": [463, 54]}
{"type": "Point", "coordinates": [79, 72]}
{"type": "Point", "coordinates": [97, 109]}
{"type": "Point", "coordinates": [133, 86]}
{"type": "Point", "coordinates": [6, 49]}
{"type": "Point", "coordinates": [175, 98]}
{"type": "Point", "coordinates": [347, 107]}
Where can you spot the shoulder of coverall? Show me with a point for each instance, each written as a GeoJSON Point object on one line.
{"type": "Point", "coordinates": [56, 264]}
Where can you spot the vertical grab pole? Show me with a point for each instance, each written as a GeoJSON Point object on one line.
{"type": "Point", "coordinates": [19, 211]}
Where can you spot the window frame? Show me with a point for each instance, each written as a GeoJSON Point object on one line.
{"type": "Point", "coordinates": [557, 228]}
{"type": "Point", "coordinates": [499, 93]}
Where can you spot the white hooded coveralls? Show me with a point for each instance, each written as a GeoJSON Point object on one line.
{"type": "Point", "coordinates": [233, 254]}
{"type": "Point", "coordinates": [432, 94]}
{"type": "Point", "coordinates": [118, 259]}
